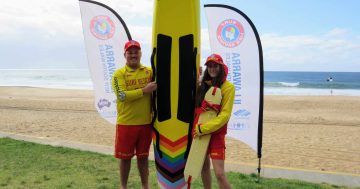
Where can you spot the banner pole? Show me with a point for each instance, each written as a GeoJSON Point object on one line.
{"type": "Point", "coordinates": [259, 170]}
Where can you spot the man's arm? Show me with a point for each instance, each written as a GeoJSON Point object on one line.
{"type": "Point", "coordinates": [124, 95]}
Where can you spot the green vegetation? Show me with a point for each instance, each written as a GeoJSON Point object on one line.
{"type": "Point", "coordinates": [29, 165]}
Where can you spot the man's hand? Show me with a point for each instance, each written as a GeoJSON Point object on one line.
{"type": "Point", "coordinates": [150, 87]}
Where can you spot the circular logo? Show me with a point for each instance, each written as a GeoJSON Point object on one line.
{"type": "Point", "coordinates": [102, 27]}
{"type": "Point", "coordinates": [230, 33]}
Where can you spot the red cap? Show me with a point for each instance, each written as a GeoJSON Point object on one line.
{"type": "Point", "coordinates": [214, 58]}
{"type": "Point", "coordinates": [131, 43]}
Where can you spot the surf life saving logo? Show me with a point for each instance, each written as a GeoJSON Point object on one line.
{"type": "Point", "coordinates": [102, 27]}
{"type": "Point", "coordinates": [230, 33]}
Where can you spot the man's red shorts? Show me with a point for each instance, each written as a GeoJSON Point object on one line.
{"type": "Point", "coordinates": [217, 145]}
{"type": "Point", "coordinates": [132, 140]}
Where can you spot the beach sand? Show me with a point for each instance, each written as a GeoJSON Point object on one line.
{"type": "Point", "coordinates": [319, 133]}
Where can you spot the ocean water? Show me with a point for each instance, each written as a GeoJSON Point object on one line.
{"type": "Point", "coordinates": [312, 83]}
{"type": "Point", "coordinates": [276, 83]}
{"type": "Point", "coordinates": [47, 78]}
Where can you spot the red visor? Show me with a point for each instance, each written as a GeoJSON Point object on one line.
{"type": "Point", "coordinates": [214, 58]}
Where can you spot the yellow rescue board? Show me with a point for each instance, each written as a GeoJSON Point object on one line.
{"type": "Point", "coordinates": [175, 62]}
{"type": "Point", "coordinates": [199, 146]}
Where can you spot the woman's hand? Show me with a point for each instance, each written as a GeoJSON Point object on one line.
{"type": "Point", "coordinates": [197, 131]}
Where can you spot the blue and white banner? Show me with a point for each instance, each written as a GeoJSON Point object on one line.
{"type": "Point", "coordinates": [105, 34]}
{"type": "Point", "coordinates": [234, 37]}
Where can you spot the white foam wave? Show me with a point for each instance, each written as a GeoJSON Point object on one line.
{"type": "Point", "coordinates": [285, 84]}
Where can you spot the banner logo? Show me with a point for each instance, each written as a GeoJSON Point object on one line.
{"type": "Point", "coordinates": [102, 103]}
{"type": "Point", "coordinates": [230, 33]}
{"type": "Point", "coordinates": [102, 27]}
{"type": "Point", "coordinates": [242, 113]}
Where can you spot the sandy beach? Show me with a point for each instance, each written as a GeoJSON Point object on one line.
{"type": "Point", "coordinates": [308, 132]}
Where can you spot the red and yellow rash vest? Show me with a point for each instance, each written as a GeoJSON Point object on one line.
{"type": "Point", "coordinates": [133, 107]}
{"type": "Point", "coordinates": [219, 123]}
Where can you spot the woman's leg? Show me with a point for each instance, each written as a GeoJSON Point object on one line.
{"type": "Point", "coordinates": [206, 174]}
{"type": "Point", "coordinates": [219, 170]}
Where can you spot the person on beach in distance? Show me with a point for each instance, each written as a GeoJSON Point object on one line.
{"type": "Point", "coordinates": [133, 87]}
{"type": "Point", "coordinates": [215, 75]}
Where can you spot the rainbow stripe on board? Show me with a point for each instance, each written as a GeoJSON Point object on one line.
{"type": "Point", "coordinates": [170, 167]}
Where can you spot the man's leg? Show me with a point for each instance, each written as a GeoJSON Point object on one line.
{"type": "Point", "coordinates": [124, 172]}
{"type": "Point", "coordinates": [142, 153]}
{"type": "Point", "coordinates": [143, 166]}
{"type": "Point", "coordinates": [206, 174]}
{"type": "Point", "coordinates": [220, 174]}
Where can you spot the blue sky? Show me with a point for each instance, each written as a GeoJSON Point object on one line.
{"type": "Point", "coordinates": [290, 17]}
{"type": "Point", "coordinates": [306, 35]}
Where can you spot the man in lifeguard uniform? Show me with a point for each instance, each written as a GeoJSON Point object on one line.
{"type": "Point", "coordinates": [133, 87]}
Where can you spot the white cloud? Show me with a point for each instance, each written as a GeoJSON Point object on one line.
{"type": "Point", "coordinates": [51, 17]}
{"type": "Point", "coordinates": [205, 45]}
{"type": "Point", "coordinates": [132, 8]}
{"type": "Point", "coordinates": [35, 31]}
{"type": "Point", "coordinates": [54, 17]}
{"type": "Point", "coordinates": [337, 32]}
{"type": "Point", "coordinates": [56, 24]}
{"type": "Point", "coordinates": [334, 49]}
{"type": "Point", "coordinates": [142, 33]}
